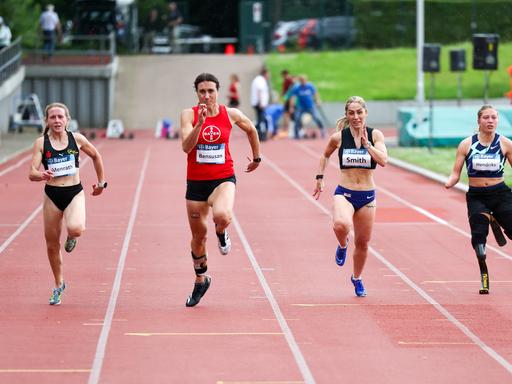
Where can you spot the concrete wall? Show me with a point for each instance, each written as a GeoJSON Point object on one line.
{"type": "Point", "coordinates": [10, 93]}
{"type": "Point", "coordinates": [88, 91]}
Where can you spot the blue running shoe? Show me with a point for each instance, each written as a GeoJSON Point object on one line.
{"type": "Point", "coordinates": [56, 297]}
{"type": "Point", "coordinates": [359, 287]}
{"type": "Point", "coordinates": [341, 254]}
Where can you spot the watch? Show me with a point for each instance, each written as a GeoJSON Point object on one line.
{"type": "Point", "coordinates": [102, 184]}
{"type": "Point", "coordinates": [257, 159]}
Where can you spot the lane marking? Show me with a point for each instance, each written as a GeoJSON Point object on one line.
{"type": "Point", "coordinates": [107, 322]}
{"type": "Point", "coordinates": [17, 165]}
{"type": "Point", "coordinates": [434, 343]}
{"type": "Point", "coordinates": [56, 370]}
{"type": "Point", "coordinates": [297, 354]}
{"type": "Point", "coordinates": [472, 336]}
{"type": "Point", "coordinates": [27, 221]}
{"type": "Point", "coordinates": [259, 382]}
{"type": "Point", "coordinates": [146, 334]}
{"type": "Point", "coordinates": [461, 281]}
{"type": "Point", "coordinates": [415, 207]}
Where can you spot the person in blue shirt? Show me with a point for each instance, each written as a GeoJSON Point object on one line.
{"type": "Point", "coordinates": [488, 199]}
{"type": "Point", "coordinates": [305, 99]}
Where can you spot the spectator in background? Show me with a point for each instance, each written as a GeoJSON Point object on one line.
{"type": "Point", "coordinates": [287, 84]}
{"type": "Point", "coordinates": [174, 19]}
{"type": "Point", "coordinates": [260, 97]}
{"type": "Point", "coordinates": [5, 34]}
{"type": "Point", "coordinates": [307, 99]}
{"type": "Point", "coordinates": [50, 25]}
{"type": "Point", "coordinates": [234, 91]}
{"type": "Point", "coordinates": [152, 26]}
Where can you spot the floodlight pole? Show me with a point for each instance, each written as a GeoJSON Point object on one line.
{"type": "Point", "coordinates": [420, 41]}
{"type": "Point", "coordinates": [431, 113]}
{"type": "Point", "coordinates": [486, 86]}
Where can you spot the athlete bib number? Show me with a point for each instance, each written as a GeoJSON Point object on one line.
{"type": "Point", "coordinates": [62, 165]}
{"type": "Point", "coordinates": [481, 162]}
{"type": "Point", "coordinates": [356, 158]}
{"type": "Point", "coordinates": [211, 154]}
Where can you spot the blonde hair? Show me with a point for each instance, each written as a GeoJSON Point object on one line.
{"type": "Point", "coordinates": [342, 122]}
{"type": "Point", "coordinates": [55, 105]}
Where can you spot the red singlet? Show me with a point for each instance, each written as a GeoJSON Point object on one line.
{"type": "Point", "coordinates": [211, 159]}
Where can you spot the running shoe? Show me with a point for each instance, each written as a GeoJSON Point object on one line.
{"type": "Point", "coordinates": [341, 254]}
{"type": "Point", "coordinates": [198, 292]}
{"type": "Point", "coordinates": [484, 289]}
{"type": "Point", "coordinates": [224, 242]}
{"type": "Point", "coordinates": [56, 297]}
{"type": "Point", "coordinates": [70, 244]}
{"type": "Point", "coordinates": [359, 287]}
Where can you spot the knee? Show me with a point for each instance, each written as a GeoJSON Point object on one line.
{"type": "Point", "coordinates": [341, 227]}
{"type": "Point", "coordinates": [76, 231]}
{"type": "Point", "coordinates": [361, 243]}
{"type": "Point", "coordinates": [223, 219]}
{"type": "Point", "coordinates": [53, 247]}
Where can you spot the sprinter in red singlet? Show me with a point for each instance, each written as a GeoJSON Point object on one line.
{"type": "Point", "coordinates": [205, 131]}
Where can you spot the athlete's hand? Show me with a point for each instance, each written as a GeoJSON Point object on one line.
{"type": "Point", "coordinates": [252, 165]}
{"type": "Point", "coordinates": [46, 175]}
{"type": "Point", "coordinates": [319, 188]}
{"type": "Point", "coordinates": [364, 138]}
{"type": "Point", "coordinates": [201, 114]}
{"type": "Point", "coordinates": [96, 190]}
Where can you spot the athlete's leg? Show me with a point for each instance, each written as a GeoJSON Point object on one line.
{"type": "Point", "coordinates": [74, 216]}
{"type": "Point", "coordinates": [342, 219]}
{"type": "Point", "coordinates": [479, 224]}
{"type": "Point", "coordinates": [504, 219]}
{"type": "Point", "coordinates": [197, 212]}
{"type": "Point", "coordinates": [52, 217]}
{"type": "Point", "coordinates": [222, 201]}
{"type": "Point", "coordinates": [363, 225]}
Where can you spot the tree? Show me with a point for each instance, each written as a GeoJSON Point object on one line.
{"type": "Point", "coordinates": [22, 17]}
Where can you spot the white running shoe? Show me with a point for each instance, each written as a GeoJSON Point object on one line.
{"type": "Point", "coordinates": [224, 243]}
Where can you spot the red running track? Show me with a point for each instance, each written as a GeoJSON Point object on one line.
{"type": "Point", "coordinates": [279, 310]}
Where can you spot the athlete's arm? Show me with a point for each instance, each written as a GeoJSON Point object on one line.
{"type": "Point", "coordinates": [506, 148]}
{"type": "Point", "coordinates": [37, 156]}
{"type": "Point", "coordinates": [188, 132]}
{"type": "Point", "coordinates": [246, 125]}
{"type": "Point", "coordinates": [378, 150]}
{"type": "Point", "coordinates": [332, 145]}
{"type": "Point", "coordinates": [91, 151]}
{"type": "Point", "coordinates": [460, 156]}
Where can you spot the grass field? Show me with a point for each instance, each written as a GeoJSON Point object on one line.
{"type": "Point", "coordinates": [388, 74]}
{"type": "Point", "coordinates": [440, 160]}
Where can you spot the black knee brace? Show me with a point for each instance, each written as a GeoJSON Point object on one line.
{"type": "Point", "coordinates": [479, 225]}
{"type": "Point", "coordinates": [200, 264]}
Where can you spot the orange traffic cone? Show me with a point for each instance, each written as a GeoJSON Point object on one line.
{"type": "Point", "coordinates": [229, 50]}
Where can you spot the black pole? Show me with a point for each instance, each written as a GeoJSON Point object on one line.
{"type": "Point", "coordinates": [431, 113]}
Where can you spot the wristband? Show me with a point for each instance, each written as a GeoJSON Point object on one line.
{"type": "Point", "coordinates": [319, 177]}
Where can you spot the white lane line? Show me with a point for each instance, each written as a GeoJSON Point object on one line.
{"type": "Point", "coordinates": [420, 210]}
{"type": "Point", "coordinates": [297, 354]}
{"type": "Point", "coordinates": [107, 322]}
{"type": "Point", "coordinates": [27, 221]}
{"type": "Point", "coordinates": [473, 337]}
{"type": "Point", "coordinates": [14, 166]}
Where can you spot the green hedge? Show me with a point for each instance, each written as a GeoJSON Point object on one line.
{"type": "Point", "coordinates": [392, 23]}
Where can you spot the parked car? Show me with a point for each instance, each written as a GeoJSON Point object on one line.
{"type": "Point", "coordinates": [286, 33]}
{"type": "Point", "coordinates": [333, 32]}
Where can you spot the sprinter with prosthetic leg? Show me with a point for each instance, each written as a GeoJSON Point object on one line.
{"type": "Point", "coordinates": [489, 199]}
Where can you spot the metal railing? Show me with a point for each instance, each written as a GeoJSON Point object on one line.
{"type": "Point", "coordinates": [10, 60]}
{"type": "Point", "coordinates": [76, 46]}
